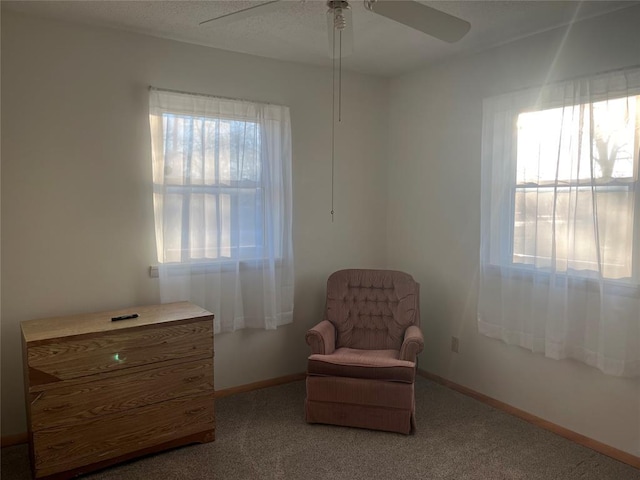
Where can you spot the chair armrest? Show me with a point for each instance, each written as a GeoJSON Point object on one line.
{"type": "Point", "coordinates": [412, 345]}
{"type": "Point", "coordinates": [322, 338]}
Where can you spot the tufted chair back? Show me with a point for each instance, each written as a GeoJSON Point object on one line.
{"type": "Point", "coordinates": [371, 309]}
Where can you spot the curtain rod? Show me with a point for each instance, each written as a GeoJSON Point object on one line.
{"type": "Point", "coordinates": [604, 72]}
{"type": "Point", "coordinates": [573, 79]}
{"type": "Point", "coordinates": [151, 87]}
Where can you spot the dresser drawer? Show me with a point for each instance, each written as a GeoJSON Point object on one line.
{"type": "Point", "coordinates": [68, 358]}
{"type": "Point", "coordinates": [61, 449]}
{"type": "Point", "coordinates": [79, 402]}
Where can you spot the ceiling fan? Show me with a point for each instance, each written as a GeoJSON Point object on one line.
{"type": "Point", "coordinates": [412, 14]}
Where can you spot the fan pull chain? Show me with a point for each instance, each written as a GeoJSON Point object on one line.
{"type": "Point", "coordinates": [338, 25]}
{"type": "Point", "coordinates": [340, 81]}
{"type": "Point", "coordinates": [333, 121]}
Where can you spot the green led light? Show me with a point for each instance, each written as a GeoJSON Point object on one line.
{"type": "Point", "coordinates": [116, 357]}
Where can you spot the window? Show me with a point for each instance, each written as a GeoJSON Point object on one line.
{"type": "Point", "coordinates": [560, 220]}
{"type": "Point", "coordinates": [213, 196]}
{"type": "Point", "coordinates": [221, 178]}
{"type": "Point", "coordinates": [576, 180]}
{"type": "Point", "coordinates": [223, 207]}
{"type": "Point", "coordinates": [560, 190]}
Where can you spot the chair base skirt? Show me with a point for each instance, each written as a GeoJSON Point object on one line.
{"type": "Point", "coordinates": [360, 416]}
{"type": "Point", "coordinates": [372, 404]}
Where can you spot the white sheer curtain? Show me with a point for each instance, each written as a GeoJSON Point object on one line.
{"type": "Point", "coordinates": [560, 239]}
{"type": "Point", "coordinates": [222, 202]}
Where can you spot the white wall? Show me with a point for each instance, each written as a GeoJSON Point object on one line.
{"type": "Point", "coordinates": [77, 219]}
{"type": "Point", "coordinates": [77, 232]}
{"type": "Point", "coordinates": [434, 223]}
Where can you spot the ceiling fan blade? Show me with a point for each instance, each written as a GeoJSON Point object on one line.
{"type": "Point", "coordinates": [343, 38]}
{"type": "Point", "coordinates": [245, 12]}
{"type": "Point", "coordinates": [421, 17]}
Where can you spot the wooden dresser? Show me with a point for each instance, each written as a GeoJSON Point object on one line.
{"type": "Point", "coordinates": [99, 392]}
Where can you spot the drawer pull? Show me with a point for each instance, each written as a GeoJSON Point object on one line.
{"type": "Point", "coordinates": [195, 411]}
{"type": "Point", "coordinates": [61, 446]}
{"type": "Point", "coordinates": [57, 408]}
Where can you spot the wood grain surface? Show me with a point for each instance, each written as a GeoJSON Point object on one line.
{"type": "Point", "coordinates": [47, 329]}
{"type": "Point", "coordinates": [200, 437]}
{"type": "Point", "coordinates": [106, 396]}
{"type": "Point", "coordinates": [98, 391]}
{"type": "Point", "coordinates": [80, 357]}
{"type": "Point", "coordinates": [65, 448]}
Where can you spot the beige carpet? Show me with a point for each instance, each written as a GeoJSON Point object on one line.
{"type": "Point", "coordinates": [262, 435]}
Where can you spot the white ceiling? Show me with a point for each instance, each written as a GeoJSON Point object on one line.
{"type": "Point", "coordinates": [296, 30]}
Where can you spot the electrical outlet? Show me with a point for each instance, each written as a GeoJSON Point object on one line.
{"type": "Point", "coordinates": [455, 344]}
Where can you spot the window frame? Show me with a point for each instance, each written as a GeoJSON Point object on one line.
{"type": "Point", "coordinates": [628, 286]}
{"type": "Point", "coordinates": [217, 189]}
{"type": "Point", "coordinates": [266, 235]}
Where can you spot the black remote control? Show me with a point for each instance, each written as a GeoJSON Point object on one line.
{"type": "Point", "coordinates": [124, 317]}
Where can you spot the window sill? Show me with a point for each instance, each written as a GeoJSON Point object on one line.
{"type": "Point", "coordinates": [220, 266]}
{"type": "Point", "coordinates": [620, 287]}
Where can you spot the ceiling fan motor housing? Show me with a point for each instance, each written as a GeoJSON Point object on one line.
{"type": "Point", "coordinates": [336, 7]}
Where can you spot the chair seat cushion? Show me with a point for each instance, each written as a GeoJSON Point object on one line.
{"type": "Point", "coordinates": [370, 364]}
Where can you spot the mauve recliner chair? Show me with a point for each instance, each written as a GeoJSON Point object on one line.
{"type": "Point", "coordinates": [362, 369]}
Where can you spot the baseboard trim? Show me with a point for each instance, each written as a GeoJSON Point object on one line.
{"type": "Point", "coordinates": [599, 447]}
{"type": "Point", "coordinates": [272, 382]}
{"type": "Point", "coordinates": [10, 440]}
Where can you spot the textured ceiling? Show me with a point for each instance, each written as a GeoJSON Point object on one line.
{"type": "Point", "coordinates": [296, 30]}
